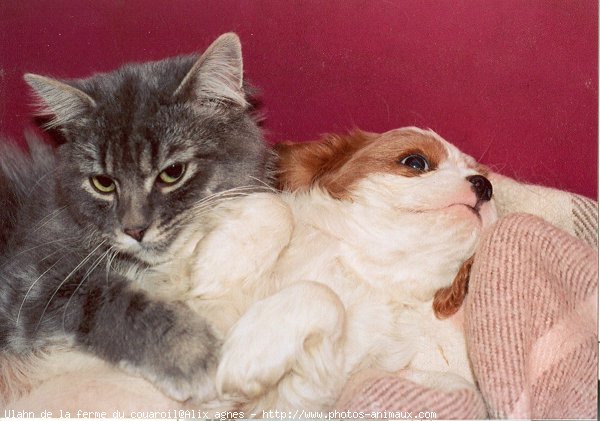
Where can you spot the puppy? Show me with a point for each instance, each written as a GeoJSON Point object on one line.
{"type": "Point", "coordinates": [336, 274]}
{"type": "Point", "coordinates": [339, 273]}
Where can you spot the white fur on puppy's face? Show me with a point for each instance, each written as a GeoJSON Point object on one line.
{"type": "Point", "coordinates": [406, 227]}
{"type": "Point", "coordinates": [433, 217]}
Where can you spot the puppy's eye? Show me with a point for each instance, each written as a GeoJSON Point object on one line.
{"type": "Point", "coordinates": [172, 174]}
{"type": "Point", "coordinates": [103, 184]}
{"type": "Point", "coordinates": [417, 162]}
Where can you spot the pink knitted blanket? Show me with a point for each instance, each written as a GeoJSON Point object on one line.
{"type": "Point", "coordinates": [531, 331]}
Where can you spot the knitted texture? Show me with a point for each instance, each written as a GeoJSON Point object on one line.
{"type": "Point", "coordinates": [531, 321]}
{"type": "Point", "coordinates": [585, 219]}
{"type": "Point", "coordinates": [383, 395]}
{"type": "Point", "coordinates": [575, 214]}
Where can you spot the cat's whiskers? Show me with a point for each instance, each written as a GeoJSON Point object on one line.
{"type": "Point", "coordinates": [90, 236]}
{"type": "Point", "coordinates": [58, 250]}
{"type": "Point", "coordinates": [206, 208]}
{"type": "Point", "coordinates": [39, 180]}
{"type": "Point", "coordinates": [42, 245]}
{"type": "Point", "coordinates": [232, 191]}
{"type": "Point", "coordinates": [50, 217]}
{"type": "Point", "coordinates": [84, 261]}
{"type": "Point", "coordinates": [83, 279]}
{"type": "Point", "coordinates": [209, 202]}
{"type": "Point", "coordinates": [217, 198]}
{"type": "Point", "coordinates": [265, 185]}
{"type": "Point", "coordinates": [109, 261]}
{"type": "Point", "coordinates": [245, 188]}
{"type": "Point", "coordinates": [195, 213]}
{"type": "Point", "coordinates": [96, 263]}
{"type": "Point", "coordinates": [31, 287]}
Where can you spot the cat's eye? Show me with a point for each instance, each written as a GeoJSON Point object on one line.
{"type": "Point", "coordinates": [103, 184]}
{"type": "Point", "coordinates": [416, 161]}
{"type": "Point", "coordinates": [172, 174]}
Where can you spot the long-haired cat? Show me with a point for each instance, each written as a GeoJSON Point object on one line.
{"type": "Point", "coordinates": [145, 146]}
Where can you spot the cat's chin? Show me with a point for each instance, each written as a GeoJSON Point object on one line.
{"type": "Point", "coordinates": [148, 253]}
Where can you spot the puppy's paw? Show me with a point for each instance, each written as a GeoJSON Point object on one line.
{"type": "Point", "coordinates": [281, 334]}
{"type": "Point", "coordinates": [253, 359]}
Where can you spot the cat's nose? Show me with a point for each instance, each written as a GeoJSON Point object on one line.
{"type": "Point", "coordinates": [135, 233]}
{"type": "Point", "coordinates": [481, 186]}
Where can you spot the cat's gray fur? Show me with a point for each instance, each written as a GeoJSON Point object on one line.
{"type": "Point", "coordinates": [66, 263]}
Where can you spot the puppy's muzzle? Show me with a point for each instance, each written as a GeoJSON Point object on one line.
{"type": "Point", "coordinates": [482, 188]}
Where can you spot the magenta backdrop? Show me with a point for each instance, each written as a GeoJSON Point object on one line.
{"type": "Point", "coordinates": [513, 83]}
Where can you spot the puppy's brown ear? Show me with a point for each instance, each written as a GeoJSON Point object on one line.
{"type": "Point", "coordinates": [306, 164]}
{"type": "Point", "coordinates": [447, 301]}
{"type": "Point", "coordinates": [294, 169]}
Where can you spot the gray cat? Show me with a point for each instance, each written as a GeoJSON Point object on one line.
{"type": "Point", "coordinates": [143, 146]}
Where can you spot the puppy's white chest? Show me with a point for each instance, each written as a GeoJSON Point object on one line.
{"type": "Point", "coordinates": [439, 345]}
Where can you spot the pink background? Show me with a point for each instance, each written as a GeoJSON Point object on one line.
{"type": "Point", "coordinates": [513, 83]}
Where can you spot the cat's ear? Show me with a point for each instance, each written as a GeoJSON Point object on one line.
{"type": "Point", "coordinates": [64, 103]}
{"type": "Point", "coordinates": [217, 74]}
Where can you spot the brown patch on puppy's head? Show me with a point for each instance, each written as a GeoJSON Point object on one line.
{"type": "Point", "coordinates": [336, 163]}
{"type": "Point", "coordinates": [302, 165]}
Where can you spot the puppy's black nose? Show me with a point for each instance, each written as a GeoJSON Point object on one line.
{"type": "Point", "coordinates": [481, 186]}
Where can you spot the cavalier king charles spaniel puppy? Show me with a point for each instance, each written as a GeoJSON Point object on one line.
{"type": "Point", "coordinates": [356, 265]}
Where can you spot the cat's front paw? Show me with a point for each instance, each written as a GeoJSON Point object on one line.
{"type": "Point", "coordinates": [182, 363]}
{"type": "Point", "coordinates": [198, 388]}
